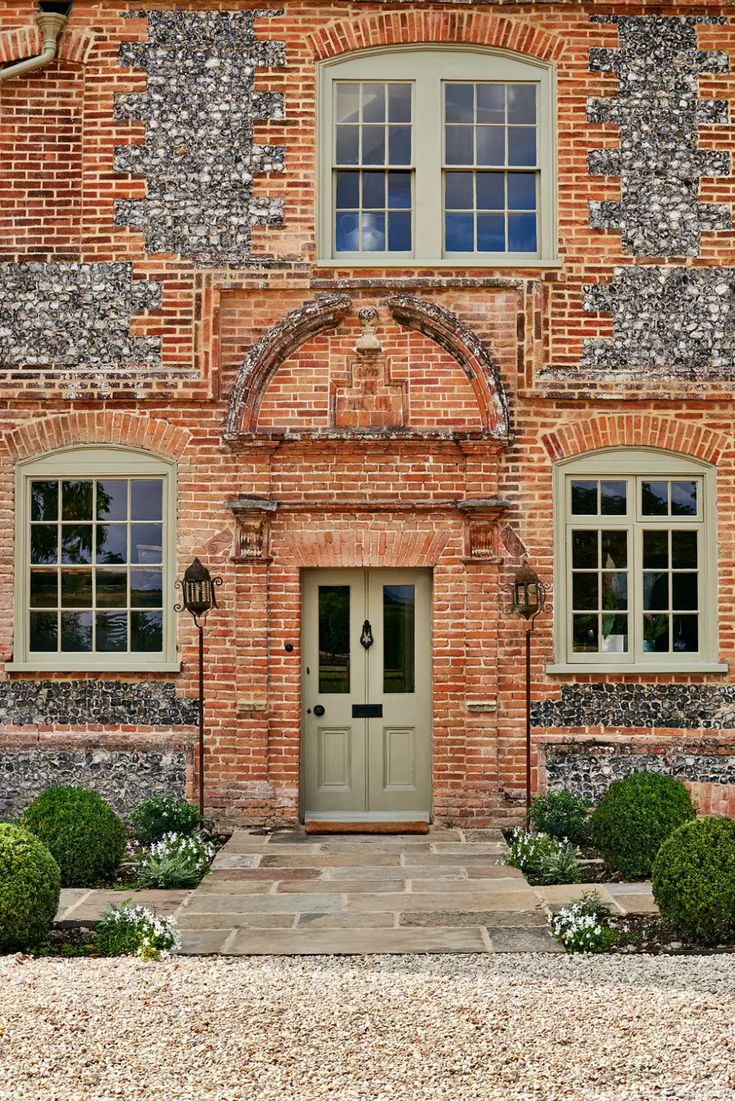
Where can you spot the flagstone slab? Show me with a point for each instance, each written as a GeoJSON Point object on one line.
{"type": "Point", "coordinates": [524, 940]}
{"type": "Point", "coordinates": [355, 942]}
{"type": "Point", "coordinates": [263, 904]}
{"type": "Point", "coordinates": [203, 942]}
{"type": "Point", "coordinates": [481, 900]}
{"type": "Point", "coordinates": [454, 886]}
{"type": "Point", "coordinates": [643, 888]}
{"type": "Point", "coordinates": [415, 872]}
{"type": "Point", "coordinates": [346, 921]}
{"type": "Point", "coordinates": [637, 903]}
{"type": "Point", "coordinates": [335, 860]}
{"type": "Point", "coordinates": [69, 898]}
{"type": "Point", "coordinates": [353, 886]}
{"type": "Point", "coordinates": [488, 919]}
{"type": "Point", "coordinates": [214, 886]}
{"type": "Point", "coordinates": [562, 894]}
{"type": "Point", "coordinates": [453, 857]}
{"type": "Point", "coordinates": [226, 859]}
{"type": "Point", "coordinates": [479, 849]}
{"type": "Point", "coordinates": [244, 874]}
{"type": "Point", "coordinates": [483, 834]}
{"type": "Point", "coordinates": [235, 921]}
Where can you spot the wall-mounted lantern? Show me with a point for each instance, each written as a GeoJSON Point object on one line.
{"type": "Point", "coordinates": [529, 601]}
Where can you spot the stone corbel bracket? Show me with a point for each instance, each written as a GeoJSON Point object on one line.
{"type": "Point", "coordinates": [482, 539]}
{"type": "Point", "coordinates": [252, 531]}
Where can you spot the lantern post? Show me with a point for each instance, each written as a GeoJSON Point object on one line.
{"type": "Point", "coordinates": [198, 599]}
{"type": "Point", "coordinates": [529, 600]}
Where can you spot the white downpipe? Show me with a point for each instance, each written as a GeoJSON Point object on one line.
{"type": "Point", "coordinates": [50, 25]}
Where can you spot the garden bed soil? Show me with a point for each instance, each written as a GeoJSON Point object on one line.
{"type": "Point", "coordinates": [649, 935]}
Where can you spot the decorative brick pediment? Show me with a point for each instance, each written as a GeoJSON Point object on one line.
{"type": "Point", "coordinates": [372, 400]}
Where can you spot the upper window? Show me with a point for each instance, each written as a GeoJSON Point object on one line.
{"type": "Point", "coordinates": [637, 556]}
{"type": "Point", "coordinates": [433, 155]}
{"type": "Point", "coordinates": [93, 565]}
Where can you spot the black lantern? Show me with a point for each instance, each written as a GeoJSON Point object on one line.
{"type": "Point", "coordinates": [528, 592]}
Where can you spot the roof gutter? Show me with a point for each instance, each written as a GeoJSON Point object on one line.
{"type": "Point", "coordinates": [51, 25]}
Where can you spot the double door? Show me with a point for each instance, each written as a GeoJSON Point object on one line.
{"type": "Point", "coordinates": [367, 694]}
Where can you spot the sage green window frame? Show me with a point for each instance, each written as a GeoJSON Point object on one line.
{"type": "Point", "coordinates": [635, 464]}
{"type": "Point", "coordinates": [93, 462]}
{"type": "Point", "coordinates": [428, 69]}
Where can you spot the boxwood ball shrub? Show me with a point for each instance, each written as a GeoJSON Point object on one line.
{"type": "Point", "coordinates": [635, 817]}
{"type": "Point", "coordinates": [161, 815]}
{"type": "Point", "coordinates": [694, 880]}
{"type": "Point", "coordinates": [82, 833]}
{"type": "Point", "coordinates": [562, 815]}
{"type": "Point", "coordinates": [29, 888]}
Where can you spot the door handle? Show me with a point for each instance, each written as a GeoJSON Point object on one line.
{"type": "Point", "coordinates": [319, 711]}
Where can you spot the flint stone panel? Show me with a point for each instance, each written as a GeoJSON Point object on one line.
{"type": "Point", "coordinates": [107, 703]}
{"type": "Point", "coordinates": [682, 706]}
{"type": "Point", "coordinates": [589, 773]}
{"type": "Point", "coordinates": [658, 111]}
{"type": "Point", "coordinates": [74, 315]}
{"type": "Point", "coordinates": [124, 778]}
{"type": "Point", "coordinates": [199, 158]}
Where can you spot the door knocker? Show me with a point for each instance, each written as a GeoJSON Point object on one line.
{"type": "Point", "coordinates": [366, 638]}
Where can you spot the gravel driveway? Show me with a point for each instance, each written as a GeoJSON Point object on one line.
{"type": "Point", "coordinates": [380, 1028]}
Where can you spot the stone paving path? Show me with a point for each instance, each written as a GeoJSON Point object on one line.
{"type": "Point", "coordinates": [286, 893]}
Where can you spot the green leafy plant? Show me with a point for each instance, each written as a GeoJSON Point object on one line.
{"type": "Point", "coordinates": [694, 880]}
{"type": "Point", "coordinates": [635, 817]}
{"type": "Point", "coordinates": [29, 888]}
{"type": "Point", "coordinates": [160, 815]}
{"type": "Point", "coordinates": [175, 861]}
{"type": "Point", "coordinates": [561, 815]}
{"type": "Point", "coordinates": [135, 931]}
{"type": "Point", "coordinates": [82, 833]}
{"type": "Point", "coordinates": [542, 858]}
{"type": "Point", "coordinates": [584, 925]}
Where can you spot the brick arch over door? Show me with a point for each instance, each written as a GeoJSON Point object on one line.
{"type": "Point", "coordinates": [631, 430]}
{"type": "Point", "coordinates": [99, 427]}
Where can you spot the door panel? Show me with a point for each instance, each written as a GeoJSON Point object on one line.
{"type": "Point", "coordinates": [399, 758]}
{"type": "Point", "coordinates": [335, 758]}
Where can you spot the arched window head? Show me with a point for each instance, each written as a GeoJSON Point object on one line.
{"type": "Point", "coordinates": [95, 561]}
{"type": "Point", "coordinates": [437, 155]}
{"type": "Point", "coordinates": [636, 563]}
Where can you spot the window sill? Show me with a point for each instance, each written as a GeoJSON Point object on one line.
{"type": "Point", "coordinates": [640, 669]}
{"type": "Point", "coordinates": [86, 667]}
{"type": "Point", "coordinates": [427, 262]}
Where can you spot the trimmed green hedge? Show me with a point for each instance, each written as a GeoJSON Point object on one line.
{"type": "Point", "coordinates": [635, 817]}
{"type": "Point", "coordinates": [82, 833]}
{"type": "Point", "coordinates": [29, 888]}
{"type": "Point", "coordinates": [694, 880]}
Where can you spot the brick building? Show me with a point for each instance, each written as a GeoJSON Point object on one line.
{"type": "Point", "coordinates": [363, 303]}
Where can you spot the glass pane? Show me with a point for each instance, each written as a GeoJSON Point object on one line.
{"type": "Point", "coordinates": [373, 145]}
{"type": "Point", "coordinates": [584, 550]}
{"type": "Point", "coordinates": [44, 539]}
{"type": "Point", "coordinates": [112, 544]}
{"type": "Point", "coordinates": [112, 589]}
{"type": "Point", "coordinates": [684, 592]}
{"type": "Point", "coordinates": [348, 145]}
{"type": "Point", "coordinates": [613, 498]}
{"type": "Point", "coordinates": [347, 238]}
{"type": "Point", "coordinates": [76, 500]}
{"type": "Point", "coordinates": [614, 550]}
{"type": "Point", "coordinates": [44, 500]}
{"type": "Point", "coordinates": [146, 543]}
{"type": "Point", "coordinates": [614, 591]}
{"type": "Point", "coordinates": [111, 631]}
{"type": "Point", "coordinates": [491, 233]}
{"type": "Point", "coordinates": [584, 498]}
{"type": "Point", "coordinates": [373, 190]}
{"type": "Point", "coordinates": [656, 549]}
{"type": "Point", "coordinates": [459, 103]}
{"type": "Point", "coordinates": [146, 589]}
{"type": "Point", "coordinates": [522, 233]}
{"type": "Point", "coordinates": [585, 595]}
{"type": "Point", "coordinates": [399, 603]}
{"type": "Point", "coordinates": [683, 498]}
{"type": "Point", "coordinates": [399, 190]}
{"type": "Point", "coordinates": [490, 191]}
{"type": "Point", "coordinates": [44, 632]}
{"type": "Point", "coordinates": [334, 638]}
{"type": "Point", "coordinates": [348, 191]}
{"type": "Point", "coordinates": [655, 498]}
{"type": "Point", "coordinates": [146, 500]}
{"type": "Point", "coordinates": [460, 233]}
{"type": "Point", "coordinates": [521, 103]}
{"type": "Point", "coordinates": [44, 588]}
{"type": "Point", "coordinates": [614, 634]}
{"type": "Point", "coordinates": [373, 103]}
{"type": "Point", "coordinates": [458, 191]}
{"type": "Point", "coordinates": [373, 232]}
{"type": "Point", "coordinates": [491, 103]}
{"type": "Point", "coordinates": [76, 588]}
{"type": "Point", "coordinates": [585, 634]}
{"type": "Point", "coordinates": [655, 591]}
{"type": "Point", "coordinates": [348, 103]}
{"type": "Point", "coordinates": [684, 550]}
{"type": "Point", "coordinates": [521, 145]}
{"type": "Point", "coordinates": [399, 144]}
{"type": "Point", "coordinates": [399, 103]}
{"type": "Point", "coordinates": [146, 631]}
{"type": "Point", "coordinates": [490, 145]}
{"type": "Point", "coordinates": [112, 500]}
{"type": "Point", "coordinates": [399, 232]}
{"type": "Point", "coordinates": [521, 191]}
{"type": "Point", "coordinates": [76, 631]}
{"type": "Point", "coordinates": [76, 543]}
{"type": "Point", "coordinates": [459, 145]}
{"type": "Point", "coordinates": [685, 633]}
{"type": "Point", "coordinates": [656, 633]}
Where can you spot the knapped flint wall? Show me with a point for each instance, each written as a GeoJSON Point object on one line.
{"type": "Point", "coordinates": [199, 158]}
{"type": "Point", "coordinates": [682, 706]}
{"type": "Point", "coordinates": [107, 702]}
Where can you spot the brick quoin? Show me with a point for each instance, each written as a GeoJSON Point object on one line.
{"type": "Point", "coordinates": [232, 363]}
